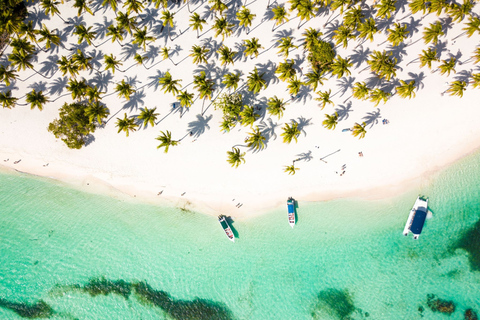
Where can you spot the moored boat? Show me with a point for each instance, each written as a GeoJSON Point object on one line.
{"type": "Point", "coordinates": [416, 218]}
{"type": "Point", "coordinates": [228, 231]}
{"type": "Point", "coordinates": [291, 211]}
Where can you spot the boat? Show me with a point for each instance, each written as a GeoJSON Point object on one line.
{"type": "Point", "coordinates": [228, 231]}
{"type": "Point", "coordinates": [416, 218]}
{"type": "Point", "coordinates": [291, 211]}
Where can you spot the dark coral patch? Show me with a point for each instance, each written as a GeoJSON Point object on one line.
{"type": "Point", "coordinates": [336, 302]}
{"type": "Point", "coordinates": [470, 315]}
{"type": "Point", "coordinates": [103, 286]}
{"type": "Point", "coordinates": [198, 309]}
{"type": "Point", "coordinates": [470, 242]}
{"type": "Point", "coordinates": [31, 311]}
{"type": "Point", "coordinates": [439, 305]}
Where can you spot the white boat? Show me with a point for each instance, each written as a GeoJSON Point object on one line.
{"type": "Point", "coordinates": [416, 218]}
{"type": "Point", "coordinates": [228, 231]}
{"type": "Point", "coordinates": [291, 211]}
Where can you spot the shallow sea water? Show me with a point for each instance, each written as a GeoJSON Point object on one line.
{"type": "Point", "coordinates": [66, 254]}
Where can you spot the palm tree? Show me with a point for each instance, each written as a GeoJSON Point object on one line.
{"type": "Point", "coordinates": [7, 75]}
{"type": "Point", "coordinates": [342, 35]}
{"type": "Point", "coordinates": [222, 27]}
{"type": "Point", "coordinates": [116, 32]}
{"type": "Point", "coordinates": [290, 132]}
{"type": "Point", "coordinates": [361, 91]}
{"type": "Point", "coordinates": [385, 8]}
{"type": "Point", "coordinates": [291, 169]}
{"type": "Point", "coordinates": [185, 98]}
{"type": "Point", "coordinates": [383, 64]}
{"type": "Point", "coordinates": [324, 97]}
{"type": "Point", "coordinates": [248, 116]}
{"type": "Point", "coordinates": [437, 6]}
{"type": "Point", "coordinates": [397, 35]}
{"type": "Point", "coordinates": [141, 38]}
{"type": "Point", "coordinates": [125, 22]}
{"type": "Point", "coordinates": [311, 38]}
{"type": "Point", "coordinates": [314, 78]}
{"type": "Point", "coordinates": [251, 47]}
{"type": "Point", "coordinates": [199, 54]}
{"type": "Point", "coordinates": [473, 25]}
{"type": "Point", "coordinates": [111, 62]}
{"type": "Point", "coordinates": [458, 12]}
{"type": "Point", "coordinates": [112, 3]}
{"type": "Point", "coordinates": [276, 106]}
{"type": "Point", "coordinates": [235, 157]}
{"type": "Point", "coordinates": [166, 140]}
{"type": "Point", "coordinates": [448, 66]}
{"type": "Point", "coordinates": [167, 18]}
{"type": "Point", "coordinates": [280, 15]}
{"type": "Point", "coordinates": [96, 111]}
{"type": "Point", "coordinates": [93, 94]}
{"type": "Point", "coordinates": [306, 11]}
{"type": "Point", "coordinates": [427, 57]}
{"type": "Point", "coordinates": [82, 6]}
{"type": "Point", "coordinates": [255, 81]}
{"type": "Point", "coordinates": [77, 88]}
{"type": "Point", "coordinates": [124, 89]}
{"type": "Point", "coordinates": [165, 52]}
{"type": "Point", "coordinates": [22, 46]}
{"type": "Point", "coordinates": [84, 34]}
{"type": "Point", "coordinates": [126, 124]}
{"type": "Point", "coordinates": [168, 84]}
{"type": "Point", "coordinates": [476, 80]}
{"type": "Point", "coordinates": [68, 66]}
{"type": "Point", "coordinates": [353, 17]}
{"type": "Point", "coordinates": [7, 100]}
{"type": "Point", "coordinates": [148, 116]}
{"type": "Point", "coordinates": [48, 37]}
{"type": "Point", "coordinates": [457, 88]}
{"type": "Point", "coordinates": [419, 5]}
{"type": "Point", "coordinates": [433, 32]}
{"type": "Point", "coordinates": [294, 86]}
{"type": "Point", "coordinates": [368, 29]}
{"type": "Point", "coordinates": [285, 44]}
{"type": "Point", "coordinates": [359, 130]}
{"type": "Point", "coordinates": [50, 7]}
{"type": "Point", "coordinates": [197, 23]}
{"type": "Point", "coordinates": [330, 121]}
{"type": "Point", "coordinates": [285, 70]}
{"type": "Point", "coordinates": [218, 6]}
{"type": "Point", "coordinates": [82, 61]}
{"type": "Point", "coordinates": [204, 86]}
{"type": "Point", "coordinates": [406, 89]}
{"type": "Point", "coordinates": [226, 55]}
{"type": "Point", "coordinates": [256, 140]}
{"type": "Point", "coordinates": [36, 99]}
{"type": "Point", "coordinates": [340, 67]}
{"type": "Point", "coordinates": [377, 95]}
{"type": "Point", "coordinates": [245, 18]}
{"type": "Point", "coordinates": [133, 5]}
{"type": "Point", "coordinates": [21, 60]}
{"type": "Point", "coordinates": [231, 80]}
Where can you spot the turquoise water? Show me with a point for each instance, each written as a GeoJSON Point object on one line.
{"type": "Point", "coordinates": [72, 255]}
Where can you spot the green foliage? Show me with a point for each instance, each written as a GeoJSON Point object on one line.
{"type": "Point", "coordinates": [231, 106]}
{"type": "Point", "coordinates": [73, 125]}
{"type": "Point", "coordinates": [235, 157]}
{"type": "Point", "coordinates": [320, 55]}
{"type": "Point", "coordinates": [12, 13]}
{"type": "Point", "coordinates": [330, 121]}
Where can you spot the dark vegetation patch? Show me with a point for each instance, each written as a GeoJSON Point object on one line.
{"type": "Point", "coordinates": [26, 310]}
{"type": "Point", "coordinates": [439, 305]}
{"type": "Point", "coordinates": [470, 242]}
{"type": "Point", "coordinates": [470, 315]}
{"type": "Point", "coordinates": [338, 303]}
{"type": "Point", "coordinates": [104, 287]}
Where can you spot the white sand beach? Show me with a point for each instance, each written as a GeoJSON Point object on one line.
{"type": "Point", "coordinates": [423, 134]}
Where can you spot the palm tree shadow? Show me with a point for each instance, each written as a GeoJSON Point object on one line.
{"type": "Point", "coordinates": [463, 75]}
{"type": "Point", "coordinates": [240, 49]}
{"type": "Point", "coordinates": [102, 28]}
{"type": "Point", "coordinates": [413, 26]}
{"type": "Point", "coordinates": [213, 45]}
{"type": "Point", "coordinates": [302, 123]}
{"type": "Point", "coordinates": [345, 84]}
{"type": "Point", "coordinates": [268, 128]}
{"type": "Point", "coordinates": [49, 66]}
{"type": "Point", "coordinates": [211, 70]}
{"type": "Point", "coordinates": [96, 55]}
{"type": "Point", "coordinates": [101, 80]}
{"type": "Point", "coordinates": [440, 46]}
{"type": "Point", "coordinates": [418, 78]}
{"type": "Point", "coordinates": [330, 29]}
{"type": "Point", "coordinates": [57, 85]}
{"type": "Point", "coordinates": [148, 18]}
{"type": "Point", "coordinates": [305, 156]}
{"type": "Point", "coordinates": [268, 69]}
{"type": "Point", "coordinates": [155, 80]}
{"type": "Point", "coordinates": [72, 22]}
{"type": "Point", "coordinates": [372, 118]}
{"type": "Point", "coordinates": [36, 16]}
{"type": "Point", "coordinates": [199, 126]}
{"type": "Point", "coordinates": [360, 56]}
{"type": "Point", "coordinates": [230, 223]}
{"type": "Point", "coordinates": [38, 86]}
{"type": "Point", "coordinates": [446, 23]}
{"type": "Point", "coordinates": [267, 16]}
{"type": "Point", "coordinates": [384, 23]}
{"type": "Point", "coordinates": [135, 100]}
{"type": "Point", "coordinates": [129, 50]}
{"type": "Point", "coordinates": [344, 110]}
{"type": "Point", "coordinates": [397, 51]}
{"type": "Point", "coordinates": [304, 93]}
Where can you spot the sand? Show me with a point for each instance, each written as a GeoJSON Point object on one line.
{"type": "Point", "coordinates": [423, 134]}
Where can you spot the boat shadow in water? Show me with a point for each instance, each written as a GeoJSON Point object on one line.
{"type": "Point", "coordinates": [230, 223]}
{"type": "Point", "coordinates": [295, 207]}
